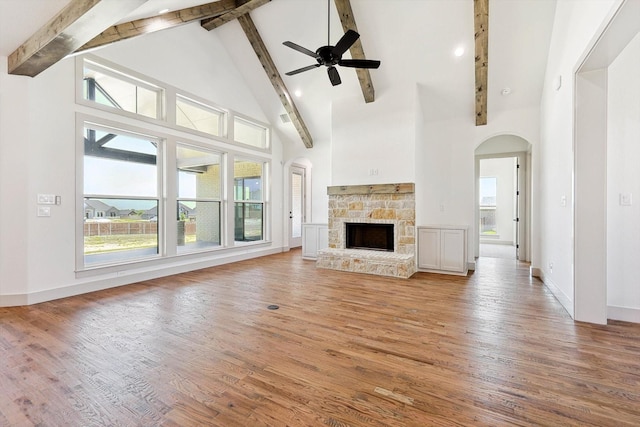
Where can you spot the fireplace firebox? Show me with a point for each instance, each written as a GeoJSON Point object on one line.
{"type": "Point", "coordinates": [377, 237]}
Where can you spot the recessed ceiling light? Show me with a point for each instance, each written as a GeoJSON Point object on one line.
{"type": "Point", "coordinates": [298, 93]}
{"type": "Point", "coordinates": [506, 91]}
{"type": "Point", "coordinates": [160, 12]}
{"type": "Point", "coordinates": [459, 51]}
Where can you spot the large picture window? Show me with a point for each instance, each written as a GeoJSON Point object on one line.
{"type": "Point", "coordinates": [248, 198]}
{"type": "Point", "coordinates": [199, 199]}
{"type": "Point", "coordinates": [156, 184]}
{"type": "Point", "coordinates": [121, 204]}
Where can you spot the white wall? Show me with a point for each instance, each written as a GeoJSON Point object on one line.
{"type": "Point", "coordinates": [373, 143]}
{"type": "Point", "coordinates": [623, 178]}
{"type": "Point", "coordinates": [445, 188]}
{"type": "Point", "coordinates": [576, 23]}
{"type": "Point", "coordinates": [37, 155]}
{"type": "Point", "coordinates": [504, 170]}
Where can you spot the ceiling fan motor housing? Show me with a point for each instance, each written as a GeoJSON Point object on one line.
{"type": "Point", "coordinates": [326, 56]}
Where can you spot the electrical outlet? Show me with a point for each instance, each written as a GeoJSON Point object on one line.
{"type": "Point", "coordinates": [626, 199]}
{"type": "Point", "coordinates": [550, 267]}
{"type": "Point", "coordinates": [44, 211]}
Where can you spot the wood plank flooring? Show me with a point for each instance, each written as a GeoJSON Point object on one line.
{"type": "Point", "coordinates": [343, 349]}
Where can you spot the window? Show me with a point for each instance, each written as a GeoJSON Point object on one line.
{"type": "Point", "coordinates": [488, 186]}
{"type": "Point", "coordinates": [250, 133]}
{"type": "Point", "coordinates": [199, 199]}
{"type": "Point", "coordinates": [153, 186]}
{"type": "Point", "coordinates": [114, 89]}
{"type": "Point", "coordinates": [200, 117]}
{"type": "Point", "coordinates": [248, 197]}
{"type": "Point", "coordinates": [120, 179]}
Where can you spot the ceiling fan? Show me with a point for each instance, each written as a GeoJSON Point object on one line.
{"type": "Point", "coordinates": [330, 56]}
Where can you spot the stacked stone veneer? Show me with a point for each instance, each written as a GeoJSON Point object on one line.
{"type": "Point", "coordinates": [373, 204]}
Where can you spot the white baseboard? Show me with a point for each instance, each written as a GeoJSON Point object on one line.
{"type": "Point", "coordinates": [562, 298]}
{"type": "Point", "coordinates": [98, 284]}
{"type": "Point", "coordinates": [626, 314]}
{"type": "Point", "coordinates": [471, 265]}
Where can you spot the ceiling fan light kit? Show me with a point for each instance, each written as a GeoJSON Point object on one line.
{"type": "Point", "coordinates": [330, 56]}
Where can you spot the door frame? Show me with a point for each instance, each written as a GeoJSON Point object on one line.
{"type": "Point", "coordinates": [295, 242]}
{"type": "Point", "coordinates": [301, 163]}
{"type": "Point", "coordinates": [524, 178]}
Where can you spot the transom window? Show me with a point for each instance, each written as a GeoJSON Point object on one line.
{"type": "Point", "coordinates": [114, 89]}
{"type": "Point", "coordinates": [250, 133]}
{"type": "Point", "coordinates": [197, 116]}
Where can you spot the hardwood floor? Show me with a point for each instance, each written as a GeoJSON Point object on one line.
{"type": "Point", "coordinates": [343, 349]}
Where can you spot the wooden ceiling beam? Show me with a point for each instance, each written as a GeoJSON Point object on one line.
{"type": "Point", "coordinates": [243, 7]}
{"type": "Point", "coordinates": [77, 23]}
{"type": "Point", "coordinates": [481, 28]}
{"type": "Point", "coordinates": [357, 52]}
{"type": "Point", "coordinates": [143, 26]}
{"type": "Point", "coordinates": [274, 76]}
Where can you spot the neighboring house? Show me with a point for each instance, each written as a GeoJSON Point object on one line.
{"type": "Point", "coordinates": [128, 214]}
{"type": "Point", "coordinates": [185, 211]}
{"type": "Point", "coordinates": [95, 209]}
{"type": "Point", "coordinates": [150, 214]}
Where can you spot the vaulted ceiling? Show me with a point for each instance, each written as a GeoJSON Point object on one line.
{"type": "Point", "coordinates": [414, 39]}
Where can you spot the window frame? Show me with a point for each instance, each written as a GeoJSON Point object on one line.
{"type": "Point", "coordinates": [128, 76]}
{"type": "Point", "coordinates": [172, 135]}
{"type": "Point", "coordinates": [265, 192]}
{"type": "Point", "coordinates": [248, 120]}
{"type": "Point", "coordinates": [220, 200]}
{"type": "Point", "coordinates": [223, 121]}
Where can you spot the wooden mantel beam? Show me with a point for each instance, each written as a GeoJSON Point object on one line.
{"type": "Point", "coordinates": [143, 26]}
{"type": "Point", "coordinates": [77, 23]}
{"type": "Point", "coordinates": [357, 52]}
{"type": "Point", "coordinates": [274, 76]}
{"type": "Point", "coordinates": [243, 7]}
{"type": "Point", "coordinates": [481, 27]}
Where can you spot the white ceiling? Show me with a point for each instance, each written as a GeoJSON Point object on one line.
{"type": "Point", "coordinates": [414, 39]}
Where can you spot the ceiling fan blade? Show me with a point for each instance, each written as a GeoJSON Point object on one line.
{"type": "Point", "coordinates": [345, 42]}
{"type": "Point", "coordinates": [359, 63]}
{"type": "Point", "coordinates": [301, 49]}
{"type": "Point", "coordinates": [303, 69]}
{"type": "Point", "coordinates": [334, 76]}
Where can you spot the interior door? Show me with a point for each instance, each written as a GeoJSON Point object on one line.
{"type": "Point", "coordinates": [296, 205]}
{"type": "Point", "coordinates": [517, 209]}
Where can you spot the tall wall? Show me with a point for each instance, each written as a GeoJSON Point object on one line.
{"type": "Point", "coordinates": [623, 184]}
{"type": "Point", "coordinates": [576, 23]}
{"type": "Point", "coordinates": [38, 155]}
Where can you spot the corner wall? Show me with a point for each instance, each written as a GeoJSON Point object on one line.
{"type": "Point", "coordinates": [38, 155]}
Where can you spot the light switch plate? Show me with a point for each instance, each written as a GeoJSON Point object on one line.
{"type": "Point", "coordinates": [46, 199]}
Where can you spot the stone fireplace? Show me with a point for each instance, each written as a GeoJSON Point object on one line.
{"type": "Point", "coordinates": [371, 230]}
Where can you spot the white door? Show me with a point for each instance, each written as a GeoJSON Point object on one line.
{"type": "Point", "coordinates": [296, 206]}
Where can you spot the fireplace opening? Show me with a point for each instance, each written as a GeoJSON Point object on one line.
{"type": "Point", "coordinates": [377, 237]}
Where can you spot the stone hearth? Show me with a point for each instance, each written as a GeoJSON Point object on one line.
{"type": "Point", "coordinates": [373, 204]}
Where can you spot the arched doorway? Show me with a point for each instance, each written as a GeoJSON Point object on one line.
{"type": "Point", "coordinates": [502, 198]}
